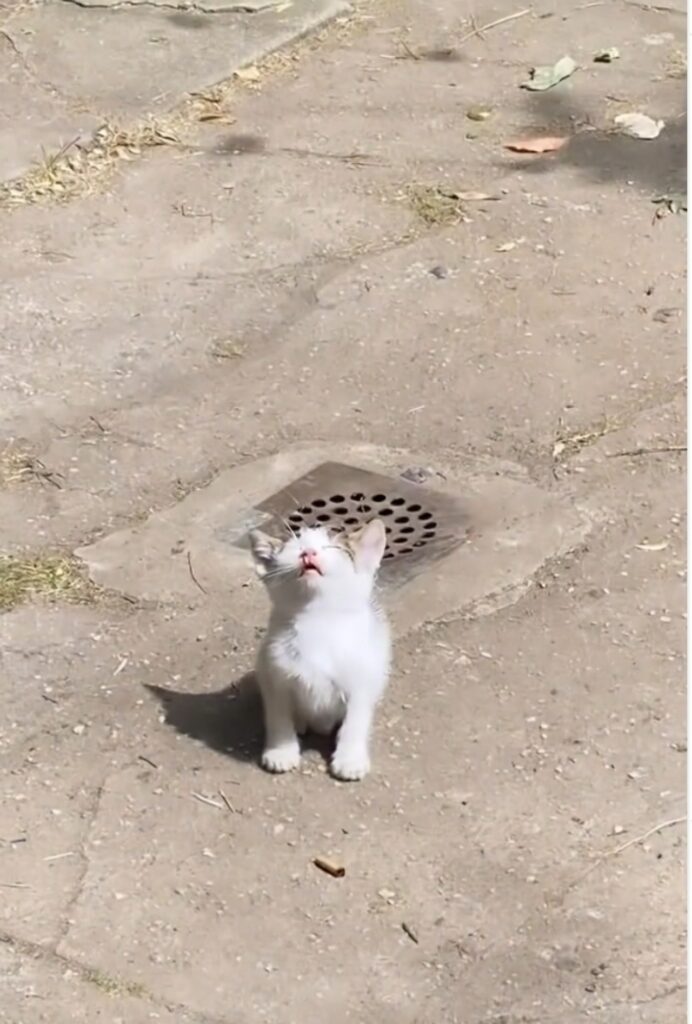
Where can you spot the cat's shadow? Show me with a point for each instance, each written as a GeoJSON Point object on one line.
{"type": "Point", "coordinates": [228, 721]}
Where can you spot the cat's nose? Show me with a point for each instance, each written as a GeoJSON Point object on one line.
{"type": "Point", "coordinates": [309, 555]}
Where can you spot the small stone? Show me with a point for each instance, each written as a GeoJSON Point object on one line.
{"type": "Point", "coordinates": [479, 112]}
{"type": "Point", "coordinates": [439, 272]}
{"type": "Point", "coordinates": [79, 728]}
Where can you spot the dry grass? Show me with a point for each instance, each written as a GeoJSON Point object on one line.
{"type": "Point", "coordinates": [434, 205]}
{"type": "Point", "coordinates": [19, 466]}
{"type": "Point", "coordinates": [568, 442]}
{"type": "Point", "coordinates": [113, 986]}
{"type": "Point", "coordinates": [81, 168]}
{"type": "Point", "coordinates": [50, 576]}
{"type": "Point", "coordinates": [676, 64]}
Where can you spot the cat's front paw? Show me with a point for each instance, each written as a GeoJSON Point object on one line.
{"type": "Point", "coordinates": [350, 765]}
{"type": "Point", "coordinates": [281, 759]}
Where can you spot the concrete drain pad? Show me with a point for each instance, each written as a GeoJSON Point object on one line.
{"type": "Point", "coordinates": [471, 542]}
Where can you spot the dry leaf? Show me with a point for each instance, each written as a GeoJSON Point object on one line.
{"type": "Point", "coordinates": [506, 247]}
{"type": "Point", "coordinates": [640, 126]}
{"type": "Point", "coordinates": [248, 74]}
{"type": "Point", "coordinates": [543, 144]}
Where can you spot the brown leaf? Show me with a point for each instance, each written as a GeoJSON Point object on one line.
{"type": "Point", "coordinates": [543, 144]}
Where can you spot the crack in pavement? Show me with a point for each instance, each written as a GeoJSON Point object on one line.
{"type": "Point", "coordinates": [88, 973]}
{"type": "Point", "coordinates": [182, 7]}
{"type": "Point", "coordinates": [91, 815]}
{"type": "Point", "coordinates": [47, 87]}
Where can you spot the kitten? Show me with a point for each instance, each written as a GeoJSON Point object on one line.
{"type": "Point", "coordinates": [325, 659]}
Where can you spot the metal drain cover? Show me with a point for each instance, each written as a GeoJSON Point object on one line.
{"type": "Point", "coordinates": [422, 526]}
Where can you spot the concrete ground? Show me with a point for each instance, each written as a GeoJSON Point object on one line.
{"type": "Point", "coordinates": [268, 268]}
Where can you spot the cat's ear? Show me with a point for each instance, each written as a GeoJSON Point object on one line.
{"type": "Point", "coordinates": [368, 543]}
{"type": "Point", "coordinates": [263, 548]}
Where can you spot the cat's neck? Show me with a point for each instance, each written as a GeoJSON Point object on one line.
{"type": "Point", "coordinates": [321, 605]}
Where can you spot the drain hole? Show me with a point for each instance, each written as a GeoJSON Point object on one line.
{"type": "Point", "coordinates": [388, 554]}
{"type": "Point", "coordinates": [419, 543]}
{"type": "Point", "coordinates": [351, 521]}
{"type": "Point", "coordinates": [386, 512]}
{"type": "Point", "coordinates": [401, 519]}
{"type": "Point", "coordinates": [379, 497]}
{"type": "Point", "coordinates": [410, 529]}
{"type": "Point", "coordinates": [405, 551]}
{"type": "Point", "coordinates": [358, 497]}
{"type": "Point", "coordinates": [429, 534]}
{"type": "Point", "coordinates": [305, 511]}
{"type": "Point", "coordinates": [425, 515]}
{"type": "Point", "coordinates": [323, 518]}
{"type": "Point", "coordinates": [398, 501]}
{"type": "Point", "coordinates": [336, 499]}
{"type": "Point", "coordinates": [341, 511]}
{"type": "Point", "coordinates": [319, 503]}
{"type": "Point", "coordinates": [400, 540]}
{"type": "Point", "coordinates": [363, 508]}
{"type": "Point", "coordinates": [295, 517]}
{"type": "Point", "coordinates": [414, 508]}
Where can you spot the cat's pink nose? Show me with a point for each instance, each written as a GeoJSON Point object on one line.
{"type": "Point", "coordinates": [308, 556]}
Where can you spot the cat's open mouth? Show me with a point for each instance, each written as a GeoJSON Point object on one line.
{"type": "Point", "coordinates": [307, 566]}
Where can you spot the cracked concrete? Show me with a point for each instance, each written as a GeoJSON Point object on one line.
{"type": "Point", "coordinates": [265, 294]}
{"type": "Point", "coordinates": [157, 54]}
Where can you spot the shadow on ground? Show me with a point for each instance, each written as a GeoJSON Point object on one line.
{"type": "Point", "coordinates": [228, 721]}
{"type": "Point", "coordinates": [657, 165]}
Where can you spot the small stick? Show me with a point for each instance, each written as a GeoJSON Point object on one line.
{"type": "Point", "coordinates": [15, 885]}
{"type": "Point", "coordinates": [645, 835]}
{"type": "Point", "coordinates": [59, 856]}
{"type": "Point", "coordinates": [659, 8]}
{"type": "Point", "coordinates": [408, 930]}
{"type": "Point", "coordinates": [227, 802]}
{"type": "Point", "coordinates": [648, 451]}
{"type": "Point", "coordinates": [408, 51]}
{"type": "Point", "coordinates": [147, 760]}
{"type": "Point", "coordinates": [207, 800]}
{"type": "Point", "coordinates": [192, 574]}
{"type": "Point", "coordinates": [478, 31]}
{"type": "Point", "coordinates": [329, 867]}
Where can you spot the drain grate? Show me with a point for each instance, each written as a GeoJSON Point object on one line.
{"type": "Point", "coordinates": [422, 525]}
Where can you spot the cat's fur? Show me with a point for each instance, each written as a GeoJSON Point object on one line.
{"type": "Point", "coordinates": [325, 659]}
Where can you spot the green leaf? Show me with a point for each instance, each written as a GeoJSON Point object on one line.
{"type": "Point", "coordinates": [548, 75]}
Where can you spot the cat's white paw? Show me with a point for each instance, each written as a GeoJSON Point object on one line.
{"type": "Point", "coordinates": [281, 759]}
{"type": "Point", "coordinates": [350, 765]}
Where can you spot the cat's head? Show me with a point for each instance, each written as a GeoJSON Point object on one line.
{"type": "Point", "coordinates": [315, 562]}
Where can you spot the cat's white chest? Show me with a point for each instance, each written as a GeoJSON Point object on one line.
{"type": "Point", "coordinates": [331, 654]}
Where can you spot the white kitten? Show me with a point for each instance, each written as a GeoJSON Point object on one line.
{"type": "Point", "coordinates": [325, 659]}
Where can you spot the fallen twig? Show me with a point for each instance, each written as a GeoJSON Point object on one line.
{"type": "Point", "coordinates": [208, 800]}
{"type": "Point", "coordinates": [645, 835]}
{"type": "Point", "coordinates": [648, 451]}
{"type": "Point", "coordinates": [408, 930]}
{"type": "Point", "coordinates": [659, 8]}
{"type": "Point", "coordinates": [192, 574]}
{"type": "Point", "coordinates": [478, 30]}
{"type": "Point", "coordinates": [147, 760]}
{"type": "Point", "coordinates": [227, 802]}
